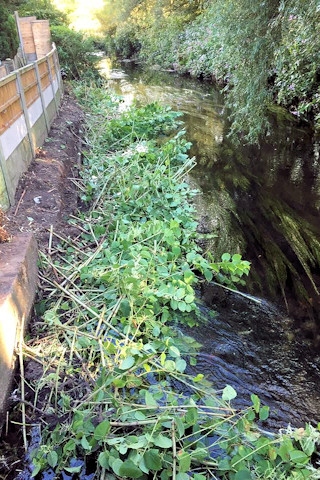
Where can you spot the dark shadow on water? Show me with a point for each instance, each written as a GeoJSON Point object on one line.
{"type": "Point", "coordinates": [263, 203]}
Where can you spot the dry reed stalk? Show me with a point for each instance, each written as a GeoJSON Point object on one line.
{"type": "Point", "coordinates": [174, 451]}
{"type": "Point", "coordinates": [50, 240]}
{"type": "Point", "coordinates": [23, 407]}
{"type": "Point", "coordinates": [19, 202]}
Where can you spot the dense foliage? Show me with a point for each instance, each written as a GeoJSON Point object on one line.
{"type": "Point", "coordinates": [76, 49]}
{"type": "Point", "coordinates": [8, 33]}
{"type": "Point", "coordinates": [44, 10]}
{"type": "Point", "coordinates": [258, 52]}
{"type": "Point", "coordinates": [76, 52]}
{"type": "Point", "coordinates": [115, 368]}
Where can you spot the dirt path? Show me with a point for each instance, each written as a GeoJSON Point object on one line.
{"type": "Point", "coordinates": [45, 198]}
{"type": "Point", "coordinates": [46, 194]}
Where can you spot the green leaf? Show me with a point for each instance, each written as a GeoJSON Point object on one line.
{"type": "Point", "coordinates": [149, 399]}
{"type": "Point", "coordinates": [179, 294]}
{"type": "Point", "coordinates": [156, 331]}
{"type": "Point", "coordinates": [69, 446]}
{"type": "Point", "coordinates": [255, 402]}
{"type": "Point", "coordinates": [176, 251]}
{"type": "Point", "coordinates": [52, 459]}
{"type": "Point", "coordinates": [130, 470]}
{"type": "Point", "coordinates": [192, 416]}
{"type": "Point", "coordinates": [73, 469]}
{"type": "Point", "coordinates": [193, 363]}
{"type": "Point", "coordinates": [236, 258]}
{"type": "Point", "coordinates": [35, 470]}
{"type": "Point", "coordinates": [103, 459]}
{"type": "Point", "coordinates": [243, 474]}
{"type": "Point", "coordinates": [182, 306]}
{"type": "Point", "coordinates": [189, 298]}
{"type": "Point", "coordinates": [182, 476]}
{"type": "Point", "coordinates": [127, 363]}
{"type": "Point", "coordinates": [162, 441]}
{"type": "Point", "coordinates": [135, 442]}
{"type": "Point", "coordinates": [284, 450]}
{"type": "Point", "coordinates": [208, 275]}
{"type": "Point", "coordinates": [250, 416]}
{"type": "Point", "coordinates": [228, 393]}
{"type": "Point", "coordinates": [125, 308]}
{"type": "Point", "coordinates": [152, 459]}
{"type": "Point", "coordinates": [119, 382]}
{"type": "Point", "coordinates": [139, 415]}
{"type": "Point", "coordinates": [181, 365]}
{"type": "Point", "coordinates": [173, 304]}
{"type": "Point", "coordinates": [174, 351]}
{"type": "Point", "coordinates": [101, 430]}
{"type": "Point", "coordinates": [224, 464]}
{"type": "Point", "coordinates": [226, 257]}
{"type": "Point", "coordinates": [188, 277]}
{"type": "Point", "coordinates": [298, 457]}
{"type": "Point", "coordinates": [169, 365]}
{"type": "Point", "coordinates": [179, 427]}
{"type": "Point", "coordinates": [116, 465]}
{"type": "Point", "coordinates": [264, 413]}
{"type": "Point", "coordinates": [184, 461]}
{"type": "Point", "coordinates": [85, 444]}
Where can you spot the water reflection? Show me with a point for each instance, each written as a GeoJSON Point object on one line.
{"type": "Point", "coordinates": [250, 345]}
{"type": "Point", "coordinates": [263, 203]}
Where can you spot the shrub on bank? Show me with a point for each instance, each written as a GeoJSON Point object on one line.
{"type": "Point", "coordinates": [259, 55]}
{"type": "Point", "coordinates": [76, 52]}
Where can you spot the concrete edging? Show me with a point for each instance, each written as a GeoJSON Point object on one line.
{"type": "Point", "coordinates": [18, 283]}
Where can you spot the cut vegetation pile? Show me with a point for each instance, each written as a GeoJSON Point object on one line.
{"type": "Point", "coordinates": [113, 393]}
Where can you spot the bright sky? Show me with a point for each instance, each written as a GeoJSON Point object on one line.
{"type": "Point", "coordinates": [83, 17]}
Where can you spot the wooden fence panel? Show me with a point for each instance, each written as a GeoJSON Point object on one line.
{"type": "Point", "coordinates": [10, 105]}
{"type": "Point", "coordinates": [25, 29]}
{"type": "Point", "coordinates": [44, 73]}
{"type": "Point", "coordinates": [29, 102]}
{"type": "Point", "coordinates": [30, 85]}
{"type": "Point", "coordinates": [41, 35]}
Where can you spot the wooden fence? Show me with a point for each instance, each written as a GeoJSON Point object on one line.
{"type": "Point", "coordinates": [29, 101]}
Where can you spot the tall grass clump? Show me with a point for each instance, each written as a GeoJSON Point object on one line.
{"type": "Point", "coordinates": [115, 395]}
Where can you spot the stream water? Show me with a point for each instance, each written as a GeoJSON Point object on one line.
{"type": "Point", "coordinates": [263, 203]}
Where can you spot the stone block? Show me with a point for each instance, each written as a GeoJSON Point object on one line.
{"type": "Point", "coordinates": [18, 283]}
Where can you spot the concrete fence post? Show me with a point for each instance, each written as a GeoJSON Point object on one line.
{"type": "Point", "coordinates": [52, 85]}
{"type": "Point", "coordinates": [25, 112]}
{"type": "Point", "coordinates": [7, 184]}
{"type": "Point", "coordinates": [58, 68]}
{"type": "Point", "coordinates": [36, 66]}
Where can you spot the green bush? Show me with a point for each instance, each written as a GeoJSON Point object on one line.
{"type": "Point", "coordinates": [125, 41]}
{"type": "Point", "coordinates": [44, 10]}
{"type": "Point", "coordinates": [259, 55]}
{"type": "Point", "coordinates": [297, 59]}
{"type": "Point", "coordinates": [8, 33]}
{"type": "Point", "coordinates": [76, 52]}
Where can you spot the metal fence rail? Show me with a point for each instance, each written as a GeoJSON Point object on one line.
{"type": "Point", "coordinates": [29, 101]}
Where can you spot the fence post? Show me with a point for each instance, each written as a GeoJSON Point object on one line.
{"type": "Point", "coordinates": [6, 179]}
{"type": "Point", "coordinates": [25, 111]}
{"type": "Point", "coordinates": [58, 68]}
{"type": "Point", "coordinates": [52, 85]}
{"type": "Point", "coordinates": [36, 66]}
{"type": "Point", "coordinates": [16, 16]}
